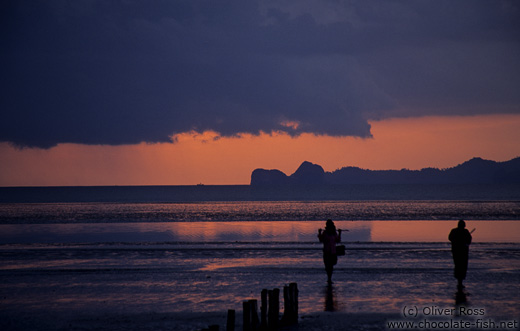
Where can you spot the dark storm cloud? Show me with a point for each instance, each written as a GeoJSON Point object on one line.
{"type": "Point", "coordinates": [114, 72]}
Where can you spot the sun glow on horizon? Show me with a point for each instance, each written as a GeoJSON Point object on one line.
{"type": "Point", "coordinates": [209, 158]}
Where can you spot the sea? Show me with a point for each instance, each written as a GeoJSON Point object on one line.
{"type": "Point", "coordinates": [75, 254]}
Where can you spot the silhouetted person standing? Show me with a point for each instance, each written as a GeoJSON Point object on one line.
{"type": "Point", "coordinates": [329, 238]}
{"type": "Point", "coordinates": [460, 239]}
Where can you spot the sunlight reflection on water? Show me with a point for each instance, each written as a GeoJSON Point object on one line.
{"type": "Point", "coordinates": [40, 213]}
{"type": "Point", "coordinates": [263, 231]}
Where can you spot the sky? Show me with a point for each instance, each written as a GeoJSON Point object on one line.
{"type": "Point", "coordinates": [129, 92]}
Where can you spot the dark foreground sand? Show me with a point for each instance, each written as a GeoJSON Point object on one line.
{"type": "Point", "coordinates": [192, 321]}
{"type": "Point", "coordinates": [168, 288]}
{"type": "Point", "coordinates": [201, 321]}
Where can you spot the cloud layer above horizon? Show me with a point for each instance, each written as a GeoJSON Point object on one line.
{"type": "Point", "coordinates": [123, 72]}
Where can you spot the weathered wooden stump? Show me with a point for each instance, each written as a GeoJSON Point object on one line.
{"type": "Point", "coordinates": [250, 317]}
{"type": "Point", "coordinates": [263, 310]}
{"type": "Point", "coordinates": [269, 310]}
{"type": "Point", "coordinates": [290, 294]}
{"type": "Point", "coordinates": [246, 317]}
{"type": "Point", "coordinates": [230, 324]}
{"type": "Point", "coordinates": [273, 309]}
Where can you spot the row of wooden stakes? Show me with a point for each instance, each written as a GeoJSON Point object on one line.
{"type": "Point", "coordinates": [269, 311]}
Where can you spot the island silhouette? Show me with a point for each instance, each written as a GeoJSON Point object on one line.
{"type": "Point", "coordinates": [474, 171]}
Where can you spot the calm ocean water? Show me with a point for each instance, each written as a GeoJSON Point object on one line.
{"type": "Point", "coordinates": [138, 194]}
{"type": "Point", "coordinates": [243, 213]}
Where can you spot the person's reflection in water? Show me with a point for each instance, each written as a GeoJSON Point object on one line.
{"type": "Point", "coordinates": [460, 298]}
{"type": "Point", "coordinates": [330, 302]}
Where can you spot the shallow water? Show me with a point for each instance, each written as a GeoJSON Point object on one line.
{"type": "Point", "coordinates": [260, 231]}
{"type": "Point", "coordinates": [372, 277]}
{"type": "Point", "coordinates": [69, 261]}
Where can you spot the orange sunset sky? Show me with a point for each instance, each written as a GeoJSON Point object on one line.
{"type": "Point", "coordinates": [412, 143]}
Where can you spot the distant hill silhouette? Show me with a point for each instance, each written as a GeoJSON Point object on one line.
{"type": "Point", "coordinates": [474, 171]}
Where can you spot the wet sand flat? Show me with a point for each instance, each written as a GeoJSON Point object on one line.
{"type": "Point", "coordinates": [185, 286]}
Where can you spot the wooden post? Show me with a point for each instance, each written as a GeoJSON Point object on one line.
{"type": "Point", "coordinates": [290, 295]}
{"type": "Point", "coordinates": [293, 291]}
{"type": "Point", "coordinates": [230, 325]}
{"type": "Point", "coordinates": [246, 318]}
{"type": "Point", "coordinates": [286, 306]}
{"type": "Point", "coordinates": [263, 310]}
{"type": "Point", "coordinates": [253, 309]}
{"type": "Point", "coordinates": [274, 309]}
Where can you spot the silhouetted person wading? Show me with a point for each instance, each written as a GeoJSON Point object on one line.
{"type": "Point", "coordinates": [329, 238]}
{"type": "Point", "coordinates": [460, 239]}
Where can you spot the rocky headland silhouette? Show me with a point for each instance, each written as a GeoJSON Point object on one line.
{"type": "Point", "coordinates": [474, 171]}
